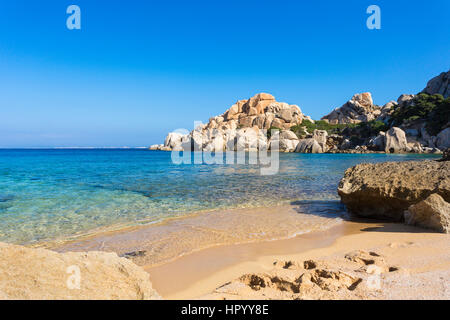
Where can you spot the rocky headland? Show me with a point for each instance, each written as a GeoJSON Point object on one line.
{"type": "Point", "coordinates": [417, 123]}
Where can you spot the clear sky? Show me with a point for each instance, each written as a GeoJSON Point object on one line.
{"type": "Point", "coordinates": [139, 69]}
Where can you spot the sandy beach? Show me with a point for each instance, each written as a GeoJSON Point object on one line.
{"type": "Point", "coordinates": [414, 263]}
{"type": "Point", "coordinates": [421, 261]}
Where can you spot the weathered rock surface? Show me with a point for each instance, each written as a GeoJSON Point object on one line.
{"type": "Point", "coordinates": [221, 133]}
{"type": "Point", "coordinates": [386, 190]}
{"type": "Point", "coordinates": [308, 146]}
{"type": "Point", "coordinates": [445, 155]}
{"type": "Point", "coordinates": [32, 274]}
{"type": "Point", "coordinates": [432, 213]}
{"type": "Point", "coordinates": [443, 139]}
{"type": "Point", "coordinates": [403, 133]}
{"type": "Point", "coordinates": [359, 109]}
{"type": "Point", "coordinates": [285, 141]}
{"type": "Point", "coordinates": [395, 141]}
{"type": "Point", "coordinates": [339, 277]}
{"type": "Point", "coordinates": [439, 85]}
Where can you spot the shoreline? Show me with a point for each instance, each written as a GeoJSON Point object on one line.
{"type": "Point", "coordinates": [202, 271]}
{"type": "Point", "coordinates": [176, 237]}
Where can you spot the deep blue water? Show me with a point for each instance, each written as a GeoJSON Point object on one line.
{"type": "Point", "coordinates": [47, 194]}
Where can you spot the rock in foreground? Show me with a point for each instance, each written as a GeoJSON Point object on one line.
{"type": "Point", "coordinates": [386, 190]}
{"type": "Point", "coordinates": [38, 274]}
{"type": "Point", "coordinates": [432, 213]}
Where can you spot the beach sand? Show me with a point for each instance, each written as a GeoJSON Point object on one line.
{"type": "Point", "coordinates": [419, 261]}
{"type": "Point", "coordinates": [405, 262]}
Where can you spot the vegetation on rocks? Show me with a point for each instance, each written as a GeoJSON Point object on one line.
{"type": "Point", "coordinates": [319, 125]}
{"type": "Point", "coordinates": [433, 109]}
{"type": "Point", "coordinates": [361, 130]}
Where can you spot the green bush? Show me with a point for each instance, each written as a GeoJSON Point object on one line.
{"type": "Point", "coordinates": [319, 125]}
{"type": "Point", "coordinates": [363, 129]}
{"type": "Point", "coordinates": [433, 109]}
{"type": "Point", "coordinates": [371, 128]}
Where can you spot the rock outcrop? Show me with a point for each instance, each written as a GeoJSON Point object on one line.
{"type": "Point", "coordinates": [339, 276]}
{"type": "Point", "coordinates": [432, 213]}
{"type": "Point", "coordinates": [386, 190]}
{"type": "Point", "coordinates": [241, 128]}
{"type": "Point", "coordinates": [414, 123]}
{"type": "Point", "coordinates": [439, 85]}
{"type": "Point", "coordinates": [359, 109]}
{"type": "Point", "coordinates": [443, 139]}
{"type": "Point", "coordinates": [40, 274]}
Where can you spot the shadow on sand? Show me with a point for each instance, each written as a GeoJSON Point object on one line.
{"type": "Point", "coordinates": [335, 209]}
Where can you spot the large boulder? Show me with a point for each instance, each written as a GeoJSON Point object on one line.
{"type": "Point", "coordinates": [386, 112]}
{"type": "Point", "coordinates": [321, 137]}
{"type": "Point", "coordinates": [405, 98]}
{"type": "Point", "coordinates": [386, 190]}
{"type": "Point", "coordinates": [359, 108]}
{"type": "Point", "coordinates": [379, 142]}
{"type": "Point", "coordinates": [432, 213]}
{"type": "Point", "coordinates": [256, 104]}
{"type": "Point", "coordinates": [250, 139]}
{"type": "Point", "coordinates": [40, 274]}
{"type": "Point", "coordinates": [395, 141]}
{"type": "Point", "coordinates": [439, 85]}
{"type": "Point", "coordinates": [285, 141]}
{"type": "Point", "coordinates": [173, 139]}
{"type": "Point", "coordinates": [308, 146]}
{"type": "Point", "coordinates": [443, 139]}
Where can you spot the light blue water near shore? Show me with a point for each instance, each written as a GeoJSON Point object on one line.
{"type": "Point", "coordinates": [48, 194]}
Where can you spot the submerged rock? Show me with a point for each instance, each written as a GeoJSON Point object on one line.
{"type": "Point", "coordinates": [386, 190]}
{"type": "Point", "coordinates": [42, 274]}
{"type": "Point", "coordinates": [432, 213]}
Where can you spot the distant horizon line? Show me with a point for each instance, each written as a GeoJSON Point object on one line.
{"type": "Point", "coordinates": [43, 148]}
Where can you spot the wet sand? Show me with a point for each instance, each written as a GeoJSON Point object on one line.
{"type": "Point", "coordinates": [160, 243]}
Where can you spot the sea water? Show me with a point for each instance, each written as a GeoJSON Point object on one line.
{"type": "Point", "coordinates": [57, 193]}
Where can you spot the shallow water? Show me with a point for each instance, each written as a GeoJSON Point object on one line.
{"type": "Point", "coordinates": [50, 194]}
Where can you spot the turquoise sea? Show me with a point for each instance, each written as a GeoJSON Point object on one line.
{"type": "Point", "coordinates": [57, 193]}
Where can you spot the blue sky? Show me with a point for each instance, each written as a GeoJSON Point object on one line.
{"type": "Point", "coordinates": [138, 69]}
